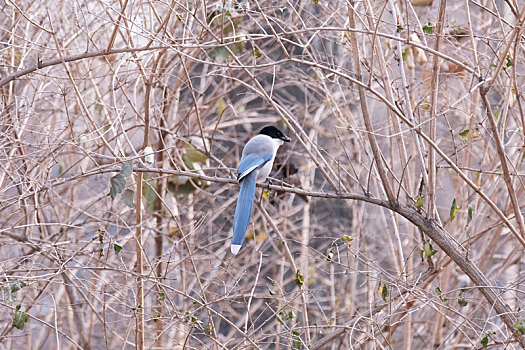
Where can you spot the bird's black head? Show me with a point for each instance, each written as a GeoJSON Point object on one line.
{"type": "Point", "coordinates": [274, 133]}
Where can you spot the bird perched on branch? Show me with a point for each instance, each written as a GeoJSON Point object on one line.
{"type": "Point", "coordinates": [256, 164]}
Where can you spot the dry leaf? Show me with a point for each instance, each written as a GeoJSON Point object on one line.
{"type": "Point", "coordinates": [455, 69]}
{"type": "Point", "coordinates": [422, 2]}
{"type": "Point", "coordinates": [420, 55]}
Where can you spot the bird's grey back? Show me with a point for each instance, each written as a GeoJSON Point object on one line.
{"type": "Point", "coordinates": [260, 144]}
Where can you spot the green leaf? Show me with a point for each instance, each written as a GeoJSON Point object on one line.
{"type": "Point", "coordinates": [17, 286]}
{"type": "Point", "coordinates": [331, 321]}
{"type": "Point", "coordinates": [256, 53]}
{"type": "Point", "coordinates": [117, 248]}
{"type": "Point", "coordinates": [184, 188]}
{"type": "Point", "coordinates": [348, 238]}
{"type": "Point", "coordinates": [101, 234]}
{"type": "Point", "coordinates": [463, 135]}
{"type": "Point", "coordinates": [428, 28]}
{"type": "Point", "coordinates": [421, 253]}
{"type": "Point", "coordinates": [98, 107]}
{"type": "Point", "coordinates": [508, 63]}
{"type": "Point", "coordinates": [61, 167]}
{"type": "Point", "coordinates": [405, 54]}
{"type": "Point", "coordinates": [221, 106]}
{"type": "Point", "coordinates": [297, 339]}
{"type": "Point", "coordinates": [315, 1]}
{"type": "Point", "coordinates": [419, 203]}
{"type": "Point", "coordinates": [384, 293]}
{"type": "Point", "coordinates": [127, 168]}
{"type": "Point", "coordinates": [453, 210]}
{"type": "Point", "coordinates": [280, 318]}
{"type": "Point", "coordinates": [485, 341]}
{"type": "Point", "coordinates": [469, 213]}
{"type": "Point", "coordinates": [193, 156]}
{"type": "Point", "coordinates": [149, 194]}
{"type": "Point", "coordinates": [299, 279]}
{"type": "Point", "coordinates": [329, 254]}
{"type": "Point", "coordinates": [520, 326]}
{"type": "Point", "coordinates": [438, 292]}
{"type": "Point", "coordinates": [207, 328]}
{"type": "Point", "coordinates": [155, 316]}
{"type": "Point", "coordinates": [189, 318]}
{"type": "Point", "coordinates": [116, 185]}
{"type": "Point", "coordinates": [429, 250]}
{"type": "Point", "coordinates": [127, 197]}
{"type": "Point", "coordinates": [399, 28]}
{"type": "Point", "coordinates": [219, 54]}
{"type": "Point", "coordinates": [461, 300]}
{"type": "Point", "coordinates": [291, 315]}
{"type": "Point", "coordinates": [20, 318]}
{"type": "Point", "coordinates": [161, 296]}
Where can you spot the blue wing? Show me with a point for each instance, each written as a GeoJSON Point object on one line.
{"type": "Point", "coordinates": [243, 211]}
{"type": "Point", "coordinates": [250, 162]}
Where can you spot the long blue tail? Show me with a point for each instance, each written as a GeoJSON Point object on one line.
{"type": "Point", "coordinates": [243, 211]}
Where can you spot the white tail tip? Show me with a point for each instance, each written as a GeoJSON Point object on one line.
{"type": "Point", "coordinates": [235, 248]}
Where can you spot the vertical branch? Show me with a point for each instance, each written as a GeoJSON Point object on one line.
{"type": "Point", "coordinates": [378, 47]}
{"type": "Point", "coordinates": [502, 58]}
{"type": "Point", "coordinates": [251, 293]}
{"type": "Point", "coordinates": [503, 161]}
{"type": "Point", "coordinates": [364, 108]}
{"type": "Point", "coordinates": [195, 103]}
{"type": "Point", "coordinates": [517, 90]}
{"type": "Point", "coordinates": [432, 210]}
{"type": "Point", "coordinates": [115, 29]}
{"type": "Point", "coordinates": [305, 238]}
{"type": "Point", "coordinates": [483, 90]}
{"type": "Point", "coordinates": [408, 104]}
{"type": "Point", "coordinates": [139, 312]}
{"type": "Point", "coordinates": [78, 317]}
{"type": "Point", "coordinates": [162, 185]}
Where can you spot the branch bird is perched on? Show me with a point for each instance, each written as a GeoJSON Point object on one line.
{"type": "Point", "coordinates": [256, 164]}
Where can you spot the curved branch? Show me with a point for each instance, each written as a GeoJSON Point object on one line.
{"type": "Point", "coordinates": [56, 61]}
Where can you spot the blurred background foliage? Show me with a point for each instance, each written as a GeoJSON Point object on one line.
{"type": "Point", "coordinates": [81, 81]}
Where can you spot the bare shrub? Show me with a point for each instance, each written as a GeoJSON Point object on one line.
{"type": "Point", "coordinates": [394, 219]}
